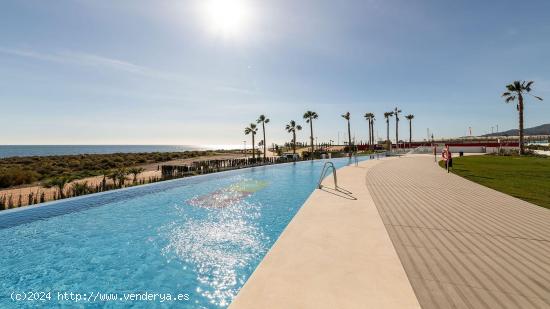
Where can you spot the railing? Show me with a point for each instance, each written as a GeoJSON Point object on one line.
{"type": "Point", "coordinates": [324, 172]}
{"type": "Point", "coordinates": [421, 150]}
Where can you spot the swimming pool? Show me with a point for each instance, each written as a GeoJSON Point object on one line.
{"type": "Point", "coordinates": [201, 237]}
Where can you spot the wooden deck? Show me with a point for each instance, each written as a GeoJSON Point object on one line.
{"type": "Point", "coordinates": [462, 245]}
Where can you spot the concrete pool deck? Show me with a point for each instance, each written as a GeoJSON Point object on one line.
{"type": "Point", "coordinates": [335, 253]}
{"type": "Point", "coordinates": [409, 235]}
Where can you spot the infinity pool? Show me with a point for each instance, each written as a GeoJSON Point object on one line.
{"type": "Point", "coordinates": [201, 236]}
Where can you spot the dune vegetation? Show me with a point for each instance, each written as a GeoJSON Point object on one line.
{"type": "Point", "coordinates": [16, 171]}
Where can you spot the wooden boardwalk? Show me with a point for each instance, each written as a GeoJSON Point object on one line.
{"type": "Point", "coordinates": [462, 245]}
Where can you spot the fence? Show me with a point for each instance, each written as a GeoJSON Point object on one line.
{"type": "Point", "coordinates": [212, 166]}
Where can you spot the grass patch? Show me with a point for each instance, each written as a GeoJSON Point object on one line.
{"type": "Point", "coordinates": [526, 177]}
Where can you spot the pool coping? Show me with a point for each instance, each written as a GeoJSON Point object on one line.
{"type": "Point", "coordinates": [335, 253]}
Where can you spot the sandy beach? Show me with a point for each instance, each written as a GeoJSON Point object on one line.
{"type": "Point", "coordinates": [151, 170]}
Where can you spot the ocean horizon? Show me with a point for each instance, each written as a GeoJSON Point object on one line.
{"type": "Point", "coordinates": [7, 151]}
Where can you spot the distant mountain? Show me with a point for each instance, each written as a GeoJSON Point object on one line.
{"type": "Point", "coordinates": [538, 130]}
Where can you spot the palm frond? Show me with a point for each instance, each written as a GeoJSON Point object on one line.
{"type": "Point", "coordinates": [506, 94]}
{"type": "Point", "coordinates": [528, 86]}
{"type": "Point", "coordinates": [251, 129]}
{"type": "Point", "coordinates": [510, 99]}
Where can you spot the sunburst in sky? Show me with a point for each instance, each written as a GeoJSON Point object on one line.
{"type": "Point", "coordinates": [228, 18]}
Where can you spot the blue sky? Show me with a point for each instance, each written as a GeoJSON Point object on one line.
{"type": "Point", "coordinates": [157, 72]}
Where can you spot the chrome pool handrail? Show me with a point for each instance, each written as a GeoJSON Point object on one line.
{"type": "Point", "coordinates": [324, 172]}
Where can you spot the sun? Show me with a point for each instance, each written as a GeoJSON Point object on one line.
{"type": "Point", "coordinates": [227, 17]}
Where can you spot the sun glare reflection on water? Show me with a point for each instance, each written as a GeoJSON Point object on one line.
{"type": "Point", "coordinates": [220, 245]}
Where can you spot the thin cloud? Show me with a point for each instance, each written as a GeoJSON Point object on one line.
{"type": "Point", "coordinates": [90, 60]}
{"type": "Point", "coordinates": [238, 90]}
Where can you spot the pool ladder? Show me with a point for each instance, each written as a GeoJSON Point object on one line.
{"type": "Point", "coordinates": [326, 168]}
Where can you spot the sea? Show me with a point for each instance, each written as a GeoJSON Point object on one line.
{"type": "Point", "coordinates": [7, 151]}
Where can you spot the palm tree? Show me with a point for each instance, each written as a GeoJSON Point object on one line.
{"type": "Point", "coordinates": [263, 120]}
{"type": "Point", "coordinates": [347, 116]}
{"type": "Point", "coordinates": [105, 173]}
{"type": "Point", "coordinates": [113, 175]}
{"type": "Point", "coordinates": [118, 175]}
{"type": "Point", "coordinates": [122, 173]}
{"type": "Point", "coordinates": [517, 90]}
{"type": "Point", "coordinates": [370, 118]}
{"type": "Point", "coordinates": [387, 115]}
{"type": "Point", "coordinates": [396, 114]}
{"type": "Point", "coordinates": [410, 117]}
{"type": "Point", "coordinates": [80, 188]}
{"type": "Point", "coordinates": [292, 127]}
{"type": "Point", "coordinates": [136, 171]}
{"type": "Point", "coordinates": [309, 116]}
{"type": "Point", "coordinates": [252, 129]}
{"type": "Point", "coordinates": [59, 183]}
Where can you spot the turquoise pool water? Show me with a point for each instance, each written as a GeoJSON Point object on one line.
{"type": "Point", "coordinates": [201, 236]}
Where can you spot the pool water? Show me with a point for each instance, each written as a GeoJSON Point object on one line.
{"type": "Point", "coordinates": [202, 236]}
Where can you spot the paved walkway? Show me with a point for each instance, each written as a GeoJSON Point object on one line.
{"type": "Point", "coordinates": [407, 226]}
{"type": "Point", "coordinates": [462, 245]}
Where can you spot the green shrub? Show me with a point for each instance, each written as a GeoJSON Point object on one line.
{"type": "Point", "coordinates": [15, 177]}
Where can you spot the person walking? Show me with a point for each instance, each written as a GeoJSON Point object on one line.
{"type": "Point", "coordinates": [448, 157]}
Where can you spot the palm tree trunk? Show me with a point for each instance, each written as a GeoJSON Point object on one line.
{"type": "Point", "coordinates": [372, 131]}
{"type": "Point", "coordinates": [370, 141]}
{"type": "Point", "coordinates": [263, 130]}
{"type": "Point", "coordinates": [294, 142]}
{"type": "Point", "coordinates": [349, 137]}
{"type": "Point", "coordinates": [388, 133]}
{"type": "Point", "coordinates": [396, 132]}
{"type": "Point", "coordinates": [520, 105]}
{"type": "Point", "coordinates": [311, 137]}
{"type": "Point", "coordinates": [410, 132]}
{"type": "Point", "coordinates": [253, 147]}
